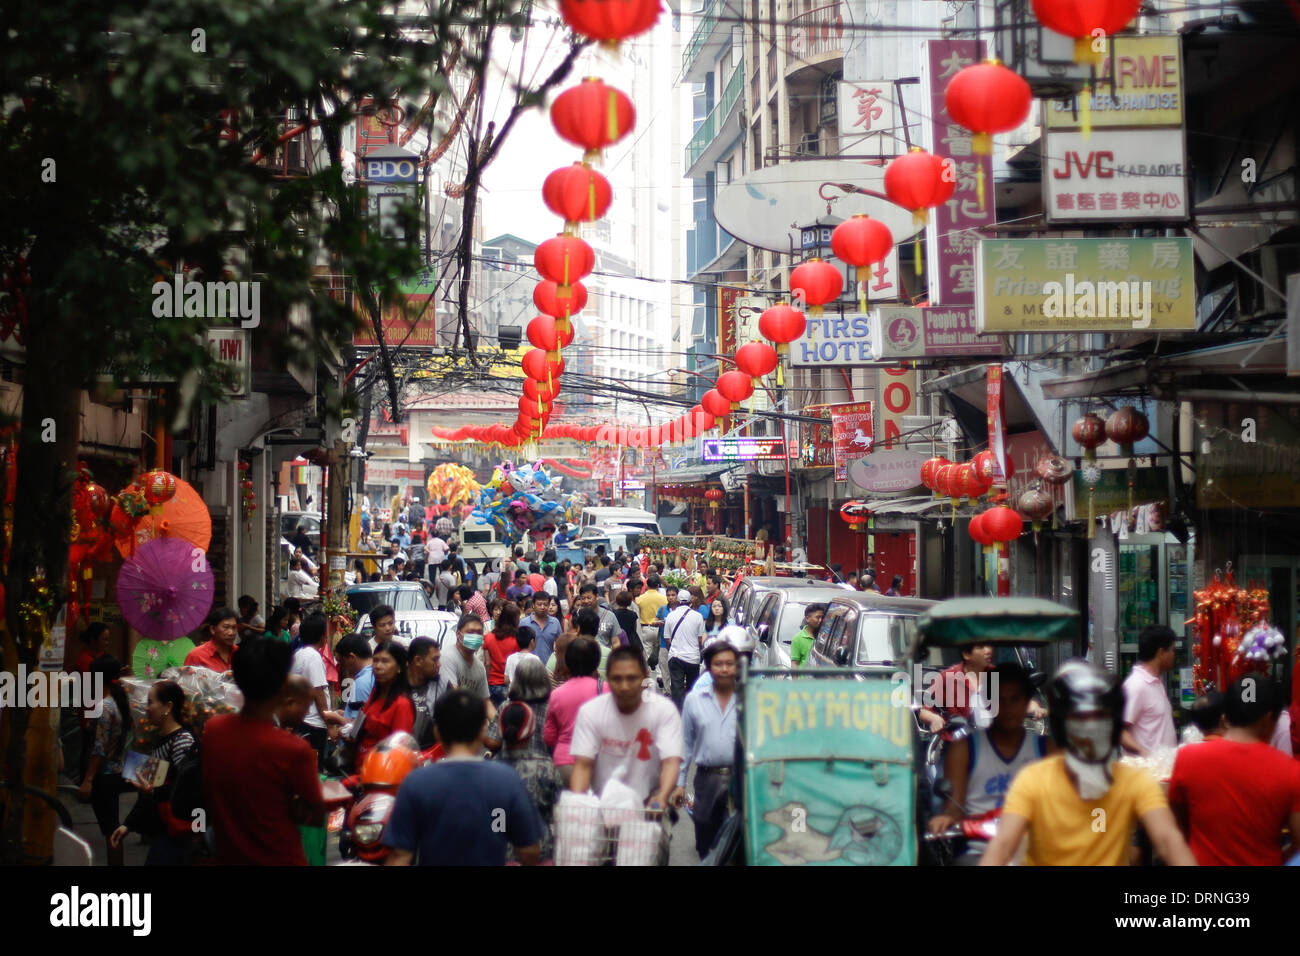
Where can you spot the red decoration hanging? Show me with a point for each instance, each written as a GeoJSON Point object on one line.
{"type": "Point", "coordinates": [577, 194]}
{"type": "Point", "coordinates": [1003, 524]}
{"type": "Point", "coordinates": [610, 21]}
{"type": "Point", "coordinates": [1089, 431]}
{"type": "Point", "coordinates": [544, 333]}
{"type": "Point", "coordinates": [564, 260]}
{"type": "Point", "coordinates": [536, 364]}
{"type": "Point", "coordinates": [713, 402]}
{"type": "Point", "coordinates": [918, 181]}
{"type": "Point", "coordinates": [929, 470]}
{"type": "Point", "coordinates": [855, 513]}
{"type": "Point", "coordinates": [1081, 18]}
{"type": "Point", "coordinates": [1126, 427]}
{"type": "Point", "coordinates": [735, 387]}
{"type": "Point", "coordinates": [1036, 505]}
{"type": "Point", "coordinates": [988, 98]}
{"type": "Point", "coordinates": [159, 487]}
{"type": "Point", "coordinates": [592, 115]}
{"type": "Point", "coordinates": [782, 324]}
{"type": "Point", "coordinates": [861, 242]}
{"type": "Point", "coordinates": [549, 299]}
{"type": "Point", "coordinates": [756, 359]}
{"type": "Point", "coordinates": [977, 531]}
{"type": "Point", "coordinates": [816, 282]}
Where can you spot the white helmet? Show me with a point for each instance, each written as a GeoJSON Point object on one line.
{"type": "Point", "coordinates": [738, 637]}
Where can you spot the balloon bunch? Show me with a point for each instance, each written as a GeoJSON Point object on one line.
{"type": "Point", "coordinates": [450, 485]}
{"type": "Point", "coordinates": [512, 502]}
{"type": "Point", "coordinates": [1227, 617]}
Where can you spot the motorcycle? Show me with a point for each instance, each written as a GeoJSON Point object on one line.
{"type": "Point", "coordinates": [966, 840]}
{"type": "Point", "coordinates": [374, 792]}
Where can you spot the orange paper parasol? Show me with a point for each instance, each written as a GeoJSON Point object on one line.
{"type": "Point", "coordinates": [185, 516]}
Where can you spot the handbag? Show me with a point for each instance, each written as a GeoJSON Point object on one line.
{"type": "Point", "coordinates": [344, 758]}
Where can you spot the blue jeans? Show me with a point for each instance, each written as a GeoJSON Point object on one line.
{"type": "Point", "coordinates": [499, 694]}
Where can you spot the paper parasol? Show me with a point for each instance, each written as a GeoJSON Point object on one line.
{"type": "Point", "coordinates": [161, 593]}
{"type": "Point", "coordinates": [184, 517]}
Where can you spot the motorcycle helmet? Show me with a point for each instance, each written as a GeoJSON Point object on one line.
{"type": "Point", "coordinates": [390, 761]}
{"type": "Point", "coordinates": [1081, 688]}
{"type": "Point", "coordinates": [738, 637]}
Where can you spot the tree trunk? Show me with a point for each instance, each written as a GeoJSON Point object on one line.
{"type": "Point", "coordinates": [47, 461]}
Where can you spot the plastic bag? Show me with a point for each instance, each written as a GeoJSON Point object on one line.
{"type": "Point", "coordinates": [639, 842]}
{"type": "Point", "coordinates": [619, 803]}
{"type": "Point", "coordinates": [207, 693]}
{"type": "Point", "coordinates": [579, 833]}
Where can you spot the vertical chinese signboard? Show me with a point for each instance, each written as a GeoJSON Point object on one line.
{"type": "Point", "coordinates": [997, 416]}
{"type": "Point", "coordinates": [852, 433]}
{"type": "Point", "coordinates": [727, 321]}
{"type": "Point", "coordinates": [950, 236]}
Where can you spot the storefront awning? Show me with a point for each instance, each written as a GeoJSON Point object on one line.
{"type": "Point", "coordinates": [917, 506]}
{"type": "Point", "coordinates": [967, 394]}
{"type": "Point", "coordinates": [692, 474]}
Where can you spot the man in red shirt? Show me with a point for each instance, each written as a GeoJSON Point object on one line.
{"type": "Point", "coordinates": [1233, 795]}
{"type": "Point", "coordinates": [259, 781]}
{"type": "Point", "coordinates": [216, 653]}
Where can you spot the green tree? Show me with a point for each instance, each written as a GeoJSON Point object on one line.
{"type": "Point", "coordinates": [114, 172]}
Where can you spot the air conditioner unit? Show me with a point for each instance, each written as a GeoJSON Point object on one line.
{"type": "Point", "coordinates": [1274, 263]}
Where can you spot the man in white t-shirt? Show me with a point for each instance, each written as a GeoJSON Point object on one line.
{"type": "Point", "coordinates": [622, 729]}
{"type": "Point", "coordinates": [684, 632]}
{"type": "Point", "coordinates": [300, 584]}
{"type": "Point", "coordinates": [437, 549]}
{"type": "Point", "coordinates": [308, 662]}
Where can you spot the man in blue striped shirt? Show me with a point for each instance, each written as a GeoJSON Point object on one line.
{"type": "Point", "coordinates": [709, 734]}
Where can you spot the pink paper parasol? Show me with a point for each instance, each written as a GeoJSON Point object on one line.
{"type": "Point", "coordinates": [165, 589]}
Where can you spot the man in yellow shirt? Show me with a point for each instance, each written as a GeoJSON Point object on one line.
{"type": "Point", "coordinates": [648, 604]}
{"type": "Point", "coordinates": [1080, 807]}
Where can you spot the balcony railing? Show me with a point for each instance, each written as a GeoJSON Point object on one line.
{"type": "Point", "coordinates": [712, 124]}
{"type": "Point", "coordinates": [816, 33]}
{"type": "Point", "coordinates": [703, 30]}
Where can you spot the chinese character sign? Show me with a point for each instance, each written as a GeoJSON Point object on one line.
{"type": "Point", "coordinates": [818, 445]}
{"type": "Point", "coordinates": [950, 237]}
{"type": "Point", "coordinates": [853, 434]}
{"type": "Point", "coordinates": [869, 117]}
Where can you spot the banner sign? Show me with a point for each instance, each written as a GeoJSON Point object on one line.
{"type": "Point", "coordinates": [950, 237]}
{"type": "Point", "coordinates": [1111, 492]}
{"type": "Point", "coordinates": [412, 320]}
{"type": "Point", "coordinates": [996, 421]}
{"type": "Point", "coordinates": [1086, 285]}
{"type": "Point", "coordinates": [853, 434]}
{"type": "Point", "coordinates": [1148, 87]}
{"type": "Point", "coordinates": [912, 332]}
{"type": "Point", "coordinates": [887, 471]}
{"type": "Point", "coordinates": [742, 449]}
{"type": "Point", "coordinates": [818, 449]}
{"type": "Point", "coordinates": [1115, 175]}
{"type": "Point", "coordinates": [833, 342]}
{"type": "Point", "coordinates": [897, 391]}
{"type": "Point", "coordinates": [230, 347]}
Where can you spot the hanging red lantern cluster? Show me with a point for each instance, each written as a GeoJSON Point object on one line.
{"type": "Point", "coordinates": [1003, 524]}
{"type": "Point", "coordinates": [757, 359]}
{"type": "Point", "coordinates": [577, 194]}
{"type": "Point", "coordinates": [592, 115]}
{"type": "Point", "coordinates": [249, 499]}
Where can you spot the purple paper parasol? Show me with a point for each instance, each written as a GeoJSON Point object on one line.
{"type": "Point", "coordinates": [165, 589]}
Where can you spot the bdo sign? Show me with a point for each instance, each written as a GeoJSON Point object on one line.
{"type": "Point", "coordinates": [390, 164]}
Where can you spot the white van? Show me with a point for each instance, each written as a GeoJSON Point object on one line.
{"type": "Point", "coordinates": [621, 517]}
{"type": "Point", "coordinates": [481, 542]}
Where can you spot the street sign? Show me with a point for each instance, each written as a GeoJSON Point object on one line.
{"type": "Point", "coordinates": [230, 347]}
{"type": "Point", "coordinates": [742, 449]}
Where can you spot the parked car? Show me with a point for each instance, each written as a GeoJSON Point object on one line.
{"type": "Point", "coordinates": [778, 618]}
{"type": "Point", "coordinates": [622, 517]}
{"type": "Point", "coordinates": [439, 625]}
{"type": "Point", "coordinates": [399, 595]}
{"type": "Point", "coordinates": [310, 521]}
{"type": "Point", "coordinates": [746, 596]}
{"type": "Point", "coordinates": [863, 629]}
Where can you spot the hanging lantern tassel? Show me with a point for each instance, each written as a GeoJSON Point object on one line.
{"type": "Point", "coordinates": [614, 132]}
{"type": "Point", "coordinates": [1132, 481]}
{"type": "Point", "coordinates": [780, 374]}
{"type": "Point", "coordinates": [591, 197]}
{"type": "Point", "coordinates": [1092, 520]}
{"type": "Point", "coordinates": [979, 171]}
{"type": "Point", "coordinates": [916, 256]}
{"type": "Point", "coordinates": [1085, 111]}
{"type": "Point", "coordinates": [864, 275]}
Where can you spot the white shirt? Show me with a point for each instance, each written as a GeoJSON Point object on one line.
{"type": "Point", "coordinates": [301, 584]}
{"type": "Point", "coordinates": [512, 662]}
{"type": "Point", "coordinates": [437, 549]}
{"type": "Point", "coordinates": [639, 742]}
{"type": "Point", "coordinates": [307, 662]}
{"type": "Point", "coordinates": [549, 587]}
{"type": "Point", "coordinates": [684, 630]}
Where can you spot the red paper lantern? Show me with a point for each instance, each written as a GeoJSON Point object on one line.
{"type": "Point", "coordinates": [1036, 505]}
{"type": "Point", "coordinates": [816, 282]}
{"type": "Point", "coordinates": [929, 468]}
{"type": "Point", "coordinates": [756, 359]}
{"type": "Point", "coordinates": [988, 98]}
{"type": "Point", "coordinates": [577, 194]}
{"type": "Point", "coordinates": [541, 390]}
{"type": "Point", "coordinates": [714, 497]}
{"type": "Point", "coordinates": [537, 364]}
{"type": "Point", "coordinates": [564, 260]}
{"type": "Point", "coordinates": [610, 21]}
{"type": "Point", "coordinates": [159, 487]}
{"type": "Point", "coordinates": [1079, 18]}
{"type": "Point", "coordinates": [1003, 524]}
{"type": "Point", "coordinates": [919, 181]}
{"type": "Point", "coordinates": [1126, 427]}
{"type": "Point", "coordinates": [861, 242]}
{"type": "Point", "coordinates": [701, 418]}
{"type": "Point", "coordinates": [943, 480]}
{"type": "Point", "coordinates": [592, 115]}
{"type": "Point", "coordinates": [782, 324]}
{"type": "Point", "coordinates": [715, 404]}
{"type": "Point", "coordinates": [549, 299]}
{"type": "Point", "coordinates": [855, 513]}
{"type": "Point", "coordinates": [984, 462]}
{"type": "Point", "coordinates": [98, 499]}
{"type": "Point", "coordinates": [735, 387]}
{"type": "Point", "coordinates": [977, 532]}
{"type": "Point", "coordinates": [544, 333]}
{"type": "Point", "coordinates": [1089, 431]}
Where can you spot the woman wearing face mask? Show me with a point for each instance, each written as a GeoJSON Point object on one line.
{"type": "Point", "coordinates": [389, 708]}
{"type": "Point", "coordinates": [165, 709]}
{"type": "Point", "coordinates": [1057, 802]}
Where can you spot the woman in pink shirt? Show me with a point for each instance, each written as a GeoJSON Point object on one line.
{"type": "Point", "coordinates": [582, 657]}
